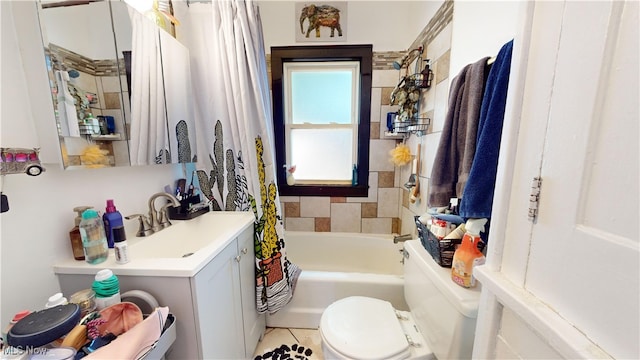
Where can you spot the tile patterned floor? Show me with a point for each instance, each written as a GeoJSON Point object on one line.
{"type": "Point", "coordinates": [274, 338]}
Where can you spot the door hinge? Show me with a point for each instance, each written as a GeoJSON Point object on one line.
{"type": "Point", "coordinates": [534, 198]}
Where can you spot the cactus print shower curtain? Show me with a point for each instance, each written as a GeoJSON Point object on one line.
{"type": "Point", "coordinates": [234, 125]}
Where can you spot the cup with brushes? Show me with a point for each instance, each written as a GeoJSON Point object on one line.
{"type": "Point", "coordinates": [191, 204]}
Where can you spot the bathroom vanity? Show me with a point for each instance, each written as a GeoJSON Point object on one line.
{"type": "Point", "coordinates": [203, 269]}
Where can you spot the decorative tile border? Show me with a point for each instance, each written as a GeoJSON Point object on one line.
{"type": "Point", "coordinates": [72, 60]}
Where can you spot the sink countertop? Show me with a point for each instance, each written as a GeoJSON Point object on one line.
{"type": "Point", "coordinates": [160, 254]}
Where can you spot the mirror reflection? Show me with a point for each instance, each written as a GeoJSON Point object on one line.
{"type": "Point", "coordinates": [120, 86]}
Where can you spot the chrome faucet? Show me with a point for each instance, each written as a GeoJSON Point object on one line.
{"type": "Point", "coordinates": [158, 219]}
{"type": "Point", "coordinates": [401, 238]}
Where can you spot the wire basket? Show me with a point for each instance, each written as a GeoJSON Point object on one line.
{"type": "Point", "coordinates": [402, 127]}
{"type": "Point", "coordinates": [440, 250]}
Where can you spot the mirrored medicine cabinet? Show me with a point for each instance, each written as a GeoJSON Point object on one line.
{"type": "Point", "coordinates": [120, 86]}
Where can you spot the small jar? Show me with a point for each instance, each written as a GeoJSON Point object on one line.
{"type": "Point", "coordinates": [86, 299]}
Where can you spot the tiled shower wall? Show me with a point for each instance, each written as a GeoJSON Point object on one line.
{"type": "Point", "coordinates": [386, 209]}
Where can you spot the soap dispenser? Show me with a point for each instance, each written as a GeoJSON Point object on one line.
{"type": "Point", "coordinates": [74, 234]}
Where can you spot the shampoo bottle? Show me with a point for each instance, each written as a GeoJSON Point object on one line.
{"type": "Point", "coordinates": [112, 219]}
{"type": "Point", "coordinates": [74, 234]}
{"type": "Point", "coordinates": [467, 256]}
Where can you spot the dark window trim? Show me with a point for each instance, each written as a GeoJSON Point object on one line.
{"type": "Point", "coordinates": [361, 53]}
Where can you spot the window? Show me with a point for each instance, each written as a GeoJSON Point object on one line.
{"type": "Point", "coordinates": [322, 100]}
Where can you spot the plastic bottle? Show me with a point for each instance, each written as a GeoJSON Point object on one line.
{"type": "Point", "coordinates": [121, 248]}
{"type": "Point", "coordinates": [107, 289]}
{"type": "Point", "coordinates": [94, 240]}
{"type": "Point", "coordinates": [111, 218]}
{"type": "Point", "coordinates": [74, 234]}
{"type": "Point", "coordinates": [467, 256]}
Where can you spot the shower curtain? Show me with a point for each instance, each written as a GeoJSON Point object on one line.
{"type": "Point", "coordinates": [234, 125]}
{"type": "Point", "coordinates": [149, 142]}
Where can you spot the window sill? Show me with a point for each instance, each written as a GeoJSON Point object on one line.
{"type": "Point", "coordinates": [324, 190]}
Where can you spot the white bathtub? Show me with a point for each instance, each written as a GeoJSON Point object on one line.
{"type": "Point", "coordinates": [337, 265]}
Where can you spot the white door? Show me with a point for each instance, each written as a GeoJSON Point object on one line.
{"type": "Point", "coordinates": [579, 261]}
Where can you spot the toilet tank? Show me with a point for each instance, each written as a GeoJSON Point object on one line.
{"type": "Point", "coordinates": [444, 311]}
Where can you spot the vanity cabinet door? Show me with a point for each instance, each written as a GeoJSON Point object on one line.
{"type": "Point", "coordinates": [216, 296]}
{"type": "Point", "coordinates": [254, 324]}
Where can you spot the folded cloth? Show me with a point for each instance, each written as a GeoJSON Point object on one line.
{"type": "Point", "coordinates": [477, 198]}
{"type": "Point", "coordinates": [457, 146]}
{"type": "Point", "coordinates": [137, 341]}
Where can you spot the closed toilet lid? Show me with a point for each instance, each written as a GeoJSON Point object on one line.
{"type": "Point", "coordinates": [363, 328]}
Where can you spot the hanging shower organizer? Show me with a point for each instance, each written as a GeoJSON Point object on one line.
{"type": "Point", "coordinates": [407, 95]}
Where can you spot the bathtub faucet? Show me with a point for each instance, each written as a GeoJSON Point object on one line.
{"type": "Point", "coordinates": [400, 238]}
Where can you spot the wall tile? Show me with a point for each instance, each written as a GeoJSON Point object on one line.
{"type": "Point", "coordinates": [346, 217]}
{"type": "Point", "coordinates": [385, 97]}
{"type": "Point", "coordinates": [379, 155]}
{"type": "Point", "coordinates": [431, 146]}
{"type": "Point", "coordinates": [369, 210]}
{"type": "Point", "coordinates": [395, 225]}
{"type": "Point", "coordinates": [376, 226]}
{"type": "Point", "coordinates": [388, 202]}
{"type": "Point", "coordinates": [375, 130]}
{"type": "Point", "coordinates": [111, 100]}
{"type": "Point", "coordinates": [442, 67]}
{"type": "Point", "coordinates": [315, 206]}
{"type": "Point", "coordinates": [375, 104]}
{"type": "Point", "coordinates": [441, 43]}
{"type": "Point", "coordinates": [440, 105]}
{"type": "Point", "coordinates": [408, 225]}
{"type": "Point", "coordinates": [385, 78]}
{"type": "Point", "coordinates": [110, 84]}
{"type": "Point", "coordinates": [428, 98]}
{"type": "Point", "coordinates": [429, 114]}
{"type": "Point", "coordinates": [386, 179]}
{"type": "Point", "coordinates": [322, 224]}
{"type": "Point", "coordinates": [372, 194]}
{"type": "Point", "coordinates": [300, 224]}
{"type": "Point", "coordinates": [292, 209]}
{"type": "Point", "coordinates": [405, 198]}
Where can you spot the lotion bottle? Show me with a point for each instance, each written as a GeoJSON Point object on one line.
{"type": "Point", "coordinates": [74, 234]}
{"type": "Point", "coordinates": [121, 248]}
{"type": "Point", "coordinates": [467, 256]}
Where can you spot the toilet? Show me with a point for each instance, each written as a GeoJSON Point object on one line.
{"type": "Point", "coordinates": [440, 323]}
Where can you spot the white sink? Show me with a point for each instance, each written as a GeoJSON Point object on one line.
{"type": "Point", "coordinates": [182, 249]}
{"type": "Point", "coordinates": [179, 240]}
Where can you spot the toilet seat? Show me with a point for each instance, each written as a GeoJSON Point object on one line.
{"type": "Point", "coordinates": [364, 328]}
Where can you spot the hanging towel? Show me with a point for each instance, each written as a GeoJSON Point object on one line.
{"type": "Point", "coordinates": [456, 149]}
{"type": "Point", "coordinates": [477, 199]}
{"type": "Point", "coordinates": [68, 117]}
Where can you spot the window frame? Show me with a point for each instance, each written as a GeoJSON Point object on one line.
{"type": "Point", "coordinates": [364, 55]}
